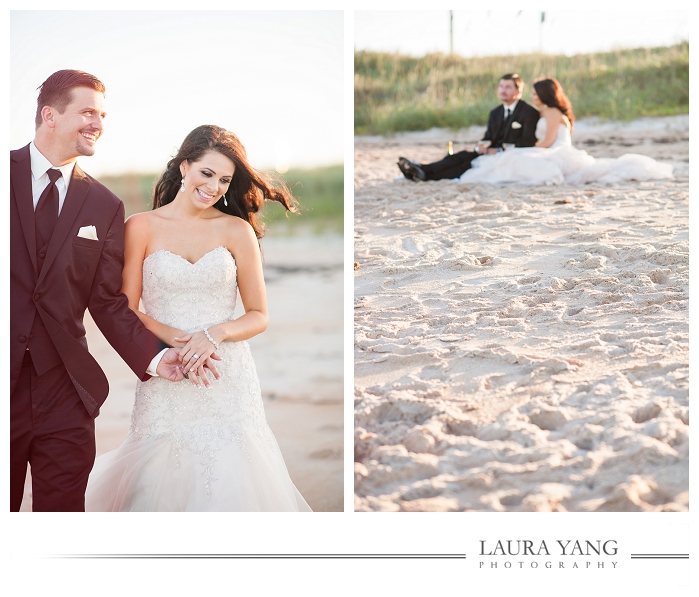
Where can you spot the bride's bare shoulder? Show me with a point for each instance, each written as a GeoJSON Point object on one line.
{"type": "Point", "coordinates": [137, 233]}
{"type": "Point", "coordinates": [139, 223]}
{"type": "Point", "coordinates": [240, 235]}
{"type": "Point", "coordinates": [238, 228]}
{"type": "Point", "coordinates": [231, 222]}
{"type": "Point", "coordinates": [551, 112]}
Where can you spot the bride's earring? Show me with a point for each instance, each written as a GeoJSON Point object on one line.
{"type": "Point", "coordinates": [182, 186]}
{"type": "Point", "coordinates": [225, 201]}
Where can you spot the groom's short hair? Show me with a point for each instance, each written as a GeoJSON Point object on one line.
{"type": "Point", "coordinates": [515, 78]}
{"type": "Point", "coordinates": [56, 91]}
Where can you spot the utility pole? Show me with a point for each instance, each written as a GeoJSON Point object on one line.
{"type": "Point", "coordinates": [541, 33]}
{"type": "Point", "coordinates": [451, 31]}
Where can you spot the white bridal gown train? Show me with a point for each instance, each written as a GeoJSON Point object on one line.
{"type": "Point", "coordinates": [191, 449]}
{"type": "Point", "coordinates": [561, 164]}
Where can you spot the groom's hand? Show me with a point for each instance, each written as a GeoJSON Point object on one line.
{"type": "Point", "coordinates": [169, 366]}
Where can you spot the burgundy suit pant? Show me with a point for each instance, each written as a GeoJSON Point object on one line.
{"type": "Point", "coordinates": [51, 431]}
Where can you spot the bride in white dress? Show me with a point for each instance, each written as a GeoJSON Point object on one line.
{"type": "Point", "coordinates": [553, 160]}
{"type": "Point", "coordinates": [202, 444]}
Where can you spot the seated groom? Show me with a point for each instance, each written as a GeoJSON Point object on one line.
{"type": "Point", "coordinates": [514, 121]}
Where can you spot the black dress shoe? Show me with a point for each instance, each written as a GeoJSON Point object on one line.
{"type": "Point", "coordinates": [405, 168]}
{"type": "Point", "coordinates": [411, 170]}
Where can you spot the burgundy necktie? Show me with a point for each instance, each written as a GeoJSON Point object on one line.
{"type": "Point", "coordinates": [46, 213]}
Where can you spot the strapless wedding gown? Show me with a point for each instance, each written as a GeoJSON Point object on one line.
{"type": "Point", "coordinates": [191, 449]}
{"type": "Point", "coordinates": [561, 164]}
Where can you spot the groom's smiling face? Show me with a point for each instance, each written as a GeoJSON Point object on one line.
{"type": "Point", "coordinates": [508, 92]}
{"type": "Point", "coordinates": [77, 129]}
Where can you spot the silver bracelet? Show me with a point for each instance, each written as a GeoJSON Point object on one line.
{"type": "Point", "coordinates": [206, 331]}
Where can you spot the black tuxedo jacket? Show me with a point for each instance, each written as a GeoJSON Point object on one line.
{"type": "Point", "coordinates": [47, 303]}
{"type": "Point", "coordinates": [499, 132]}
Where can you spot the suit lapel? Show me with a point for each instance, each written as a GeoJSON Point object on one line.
{"type": "Point", "coordinates": [77, 192]}
{"type": "Point", "coordinates": [21, 181]}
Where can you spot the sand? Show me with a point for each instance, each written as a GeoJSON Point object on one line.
{"type": "Point", "coordinates": [522, 348]}
{"type": "Point", "coordinates": [299, 360]}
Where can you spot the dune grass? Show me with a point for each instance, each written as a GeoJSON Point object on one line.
{"type": "Point", "coordinates": [395, 93]}
{"type": "Point", "coordinates": [319, 191]}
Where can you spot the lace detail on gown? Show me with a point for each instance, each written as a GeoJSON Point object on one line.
{"type": "Point", "coordinates": [190, 448]}
{"type": "Point", "coordinates": [561, 164]}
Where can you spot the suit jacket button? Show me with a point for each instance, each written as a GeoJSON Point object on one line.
{"type": "Point", "coordinates": [37, 296]}
{"type": "Point", "coordinates": [42, 255]}
{"type": "Point", "coordinates": [22, 338]}
{"type": "Point", "coordinates": [31, 336]}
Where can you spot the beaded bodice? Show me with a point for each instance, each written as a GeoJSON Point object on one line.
{"type": "Point", "coordinates": [189, 296]}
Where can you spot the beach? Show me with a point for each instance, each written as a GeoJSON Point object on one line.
{"type": "Point", "coordinates": [299, 361]}
{"type": "Point", "coordinates": [522, 348]}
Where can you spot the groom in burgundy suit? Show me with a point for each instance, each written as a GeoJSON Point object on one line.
{"type": "Point", "coordinates": [66, 255]}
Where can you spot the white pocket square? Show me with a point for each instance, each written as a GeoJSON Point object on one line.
{"type": "Point", "coordinates": [516, 125]}
{"type": "Point", "coordinates": [88, 232]}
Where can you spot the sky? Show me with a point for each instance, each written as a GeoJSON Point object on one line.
{"type": "Point", "coordinates": [274, 78]}
{"type": "Point", "coordinates": [502, 32]}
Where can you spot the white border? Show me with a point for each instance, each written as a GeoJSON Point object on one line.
{"type": "Point", "coordinates": [28, 537]}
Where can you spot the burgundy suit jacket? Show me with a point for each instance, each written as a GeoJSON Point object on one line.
{"type": "Point", "coordinates": [78, 274]}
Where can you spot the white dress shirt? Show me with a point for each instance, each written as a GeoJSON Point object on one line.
{"type": "Point", "coordinates": [154, 363]}
{"type": "Point", "coordinates": [40, 180]}
{"type": "Point", "coordinates": [511, 107]}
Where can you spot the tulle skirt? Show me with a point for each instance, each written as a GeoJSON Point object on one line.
{"type": "Point", "coordinates": [191, 449]}
{"type": "Point", "coordinates": [561, 165]}
{"type": "Point", "coordinates": [149, 475]}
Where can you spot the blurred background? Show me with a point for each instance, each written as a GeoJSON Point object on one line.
{"type": "Point", "coordinates": [274, 78]}
{"type": "Point", "coordinates": [415, 70]}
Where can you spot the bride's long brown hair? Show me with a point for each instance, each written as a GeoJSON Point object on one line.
{"type": "Point", "coordinates": [551, 93]}
{"type": "Point", "coordinates": [249, 188]}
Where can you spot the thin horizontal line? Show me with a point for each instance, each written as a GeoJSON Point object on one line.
{"type": "Point", "coordinates": [659, 554]}
{"type": "Point", "coordinates": [266, 556]}
{"type": "Point", "coordinates": [659, 557]}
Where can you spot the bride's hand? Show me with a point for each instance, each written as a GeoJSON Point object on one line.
{"type": "Point", "coordinates": [197, 351]}
{"type": "Point", "coordinates": [209, 365]}
{"type": "Point", "coordinates": [199, 377]}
